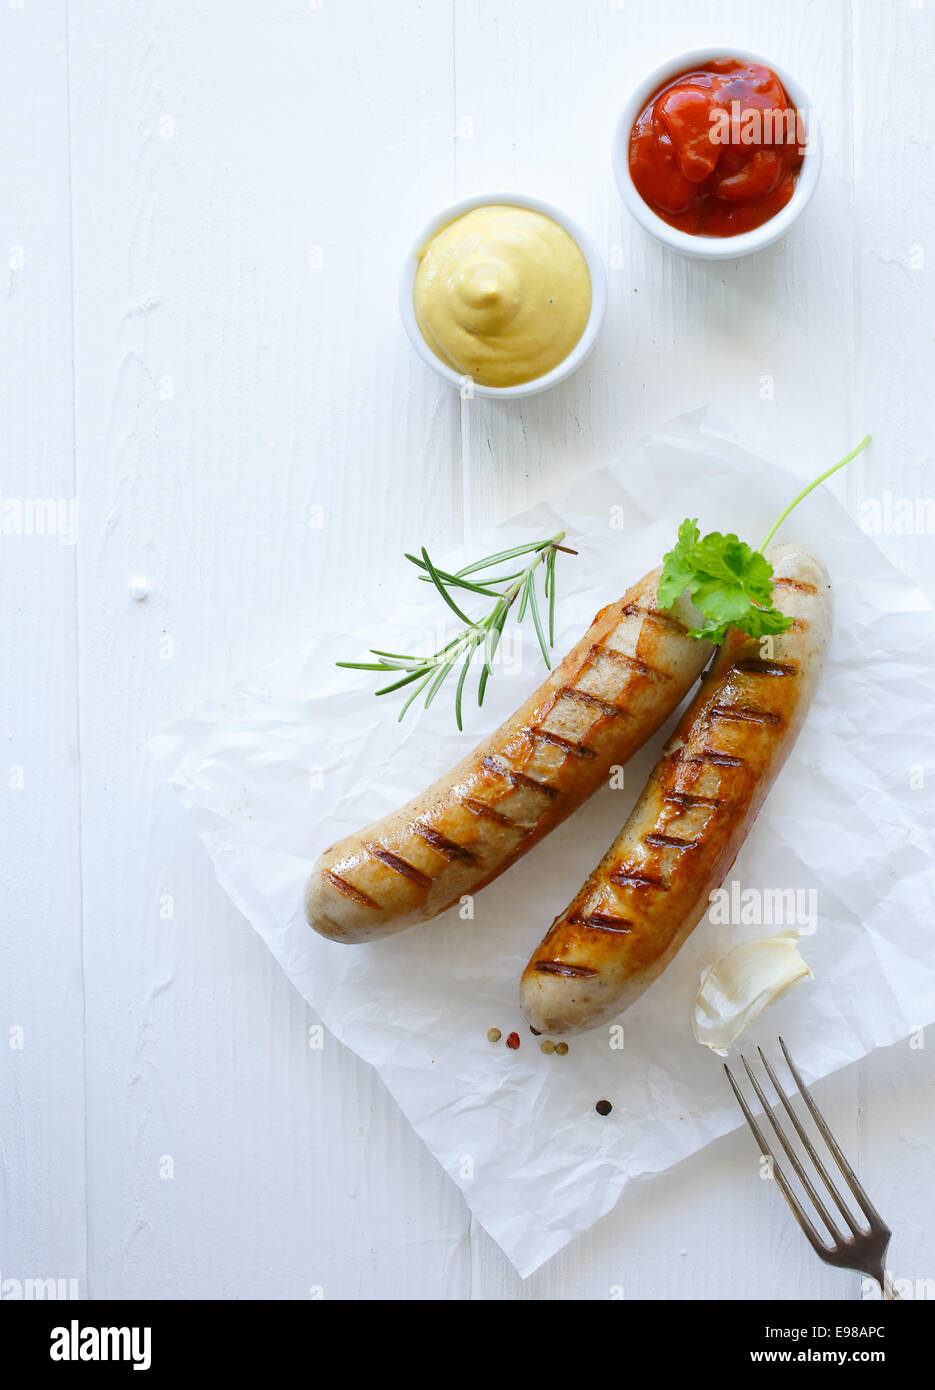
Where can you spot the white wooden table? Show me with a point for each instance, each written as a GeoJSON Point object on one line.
{"type": "Point", "coordinates": [205, 206]}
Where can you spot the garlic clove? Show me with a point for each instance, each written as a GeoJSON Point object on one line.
{"type": "Point", "coordinates": [738, 987]}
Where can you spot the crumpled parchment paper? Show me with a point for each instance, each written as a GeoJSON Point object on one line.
{"type": "Point", "coordinates": [304, 753]}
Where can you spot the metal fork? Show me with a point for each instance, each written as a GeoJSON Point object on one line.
{"type": "Point", "coordinates": [864, 1251]}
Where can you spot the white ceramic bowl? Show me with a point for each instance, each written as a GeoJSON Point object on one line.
{"type": "Point", "coordinates": [584, 344]}
{"type": "Point", "coordinates": [713, 247]}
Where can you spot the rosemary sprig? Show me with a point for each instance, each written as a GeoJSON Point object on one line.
{"type": "Point", "coordinates": [430, 672]}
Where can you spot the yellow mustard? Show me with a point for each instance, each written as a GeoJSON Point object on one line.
{"type": "Point", "coordinates": [502, 294]}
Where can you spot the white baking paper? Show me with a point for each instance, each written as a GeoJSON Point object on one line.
{"type": "Point", "coordinates": [304, 753]}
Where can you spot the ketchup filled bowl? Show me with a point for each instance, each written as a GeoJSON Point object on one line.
{"type": "Point", "coordinates": [717, 152]}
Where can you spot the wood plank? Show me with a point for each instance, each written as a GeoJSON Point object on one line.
{"type": "Point", "coordinates": [893, 492]}
{"type": "Point", "coordinates": [42, 1136]}
{"type": "Point", "coordinates": [894, 293]}
{"type": "Point", "coordinates": [239, 223]}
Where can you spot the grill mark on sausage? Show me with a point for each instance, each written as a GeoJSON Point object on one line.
{"type": "Point", "coordinates": [635, 878]}
{"type": "Point", "coordinates": [667, 841]}
{"type": "Point", "coordinates": [759, 666]}
{"type": "Point", "coordinates": [356, 895]}
{"type": "Point", "coordinates": [399, 866]}
{"type": "Point", "coordinates": [449, 849]}
{"type": "Point", "coordinates": [580, 750]}
{"type": "Point", "coordinates": [530, 784]}
{"type": "Point", "coordinates": [718, 759]}
{"type": "Point", "coordinates": [631, 663]}
{"type": "Point", "coordinates": [688, 799]}
{"type": "Point", "coordinates": [557, 967]}
{"type": "Point", "coordinates": [658, 615]}
{"type": "Point", "coordinates": [520, 779]}
{"type": "Point", "coordinates": [798, 585]}
{"type": "Point", "coordinates": [603, 921]}
{"type": "Point", "coordinates": [584, 697]}
{"type": "Point", "coordinates": [745, 714]}
{"type": "Point", "coordinates": [485, 812]}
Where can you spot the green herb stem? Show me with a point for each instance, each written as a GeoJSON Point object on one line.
{"type": "Point", "coordinates": [730, 584]}
{"type": "Point", "coordinates": [428, 673]}
{"type": "Point", "coordinates": [806, 490]}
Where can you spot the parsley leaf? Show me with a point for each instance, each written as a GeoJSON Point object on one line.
{"type": "Point", "coordinates": [755, 623]}
{"type": "Point", "coordinates": [729, 583]}
{"type": "Point", "coordinates": [678, 570]}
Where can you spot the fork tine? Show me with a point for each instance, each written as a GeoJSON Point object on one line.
{"type": "Point", "coordinates": [792, 1156]}
{"type": "Point", "coordinates": [809, 1146]}
{"type": "Point", "coordinates": [850, 1176]}
{"type": "Point", "coordinates": [797, 1210]}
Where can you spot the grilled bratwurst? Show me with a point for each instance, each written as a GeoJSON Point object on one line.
{"type": "Point", "coordinates": [653, 885]}
{"type": "Point", "coordinates": [612, 691]}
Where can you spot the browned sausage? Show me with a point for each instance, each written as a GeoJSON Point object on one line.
{"type": "Point", "coordinates": [611, 692]}
{"type": "Point", "coordinates": [652, 887]}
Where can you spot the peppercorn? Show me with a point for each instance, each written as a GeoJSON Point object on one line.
{"type": "Point", "coordinates": [493, 1034]}
{"type": "Point", "coordinates": [513, 1041]}
{"type": "Point", "coordinates": [561, 1049]}
{"type": "Point", "coordinates": [547, 1046]}
{"type": "Point", "coordinates": [603, 1107]}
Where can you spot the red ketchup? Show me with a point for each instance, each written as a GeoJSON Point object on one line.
{"type": "Point", "coordinates": [717, 150]}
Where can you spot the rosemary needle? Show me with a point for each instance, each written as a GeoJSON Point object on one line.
{"type": "Point", "coordinates": [429, 673]}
